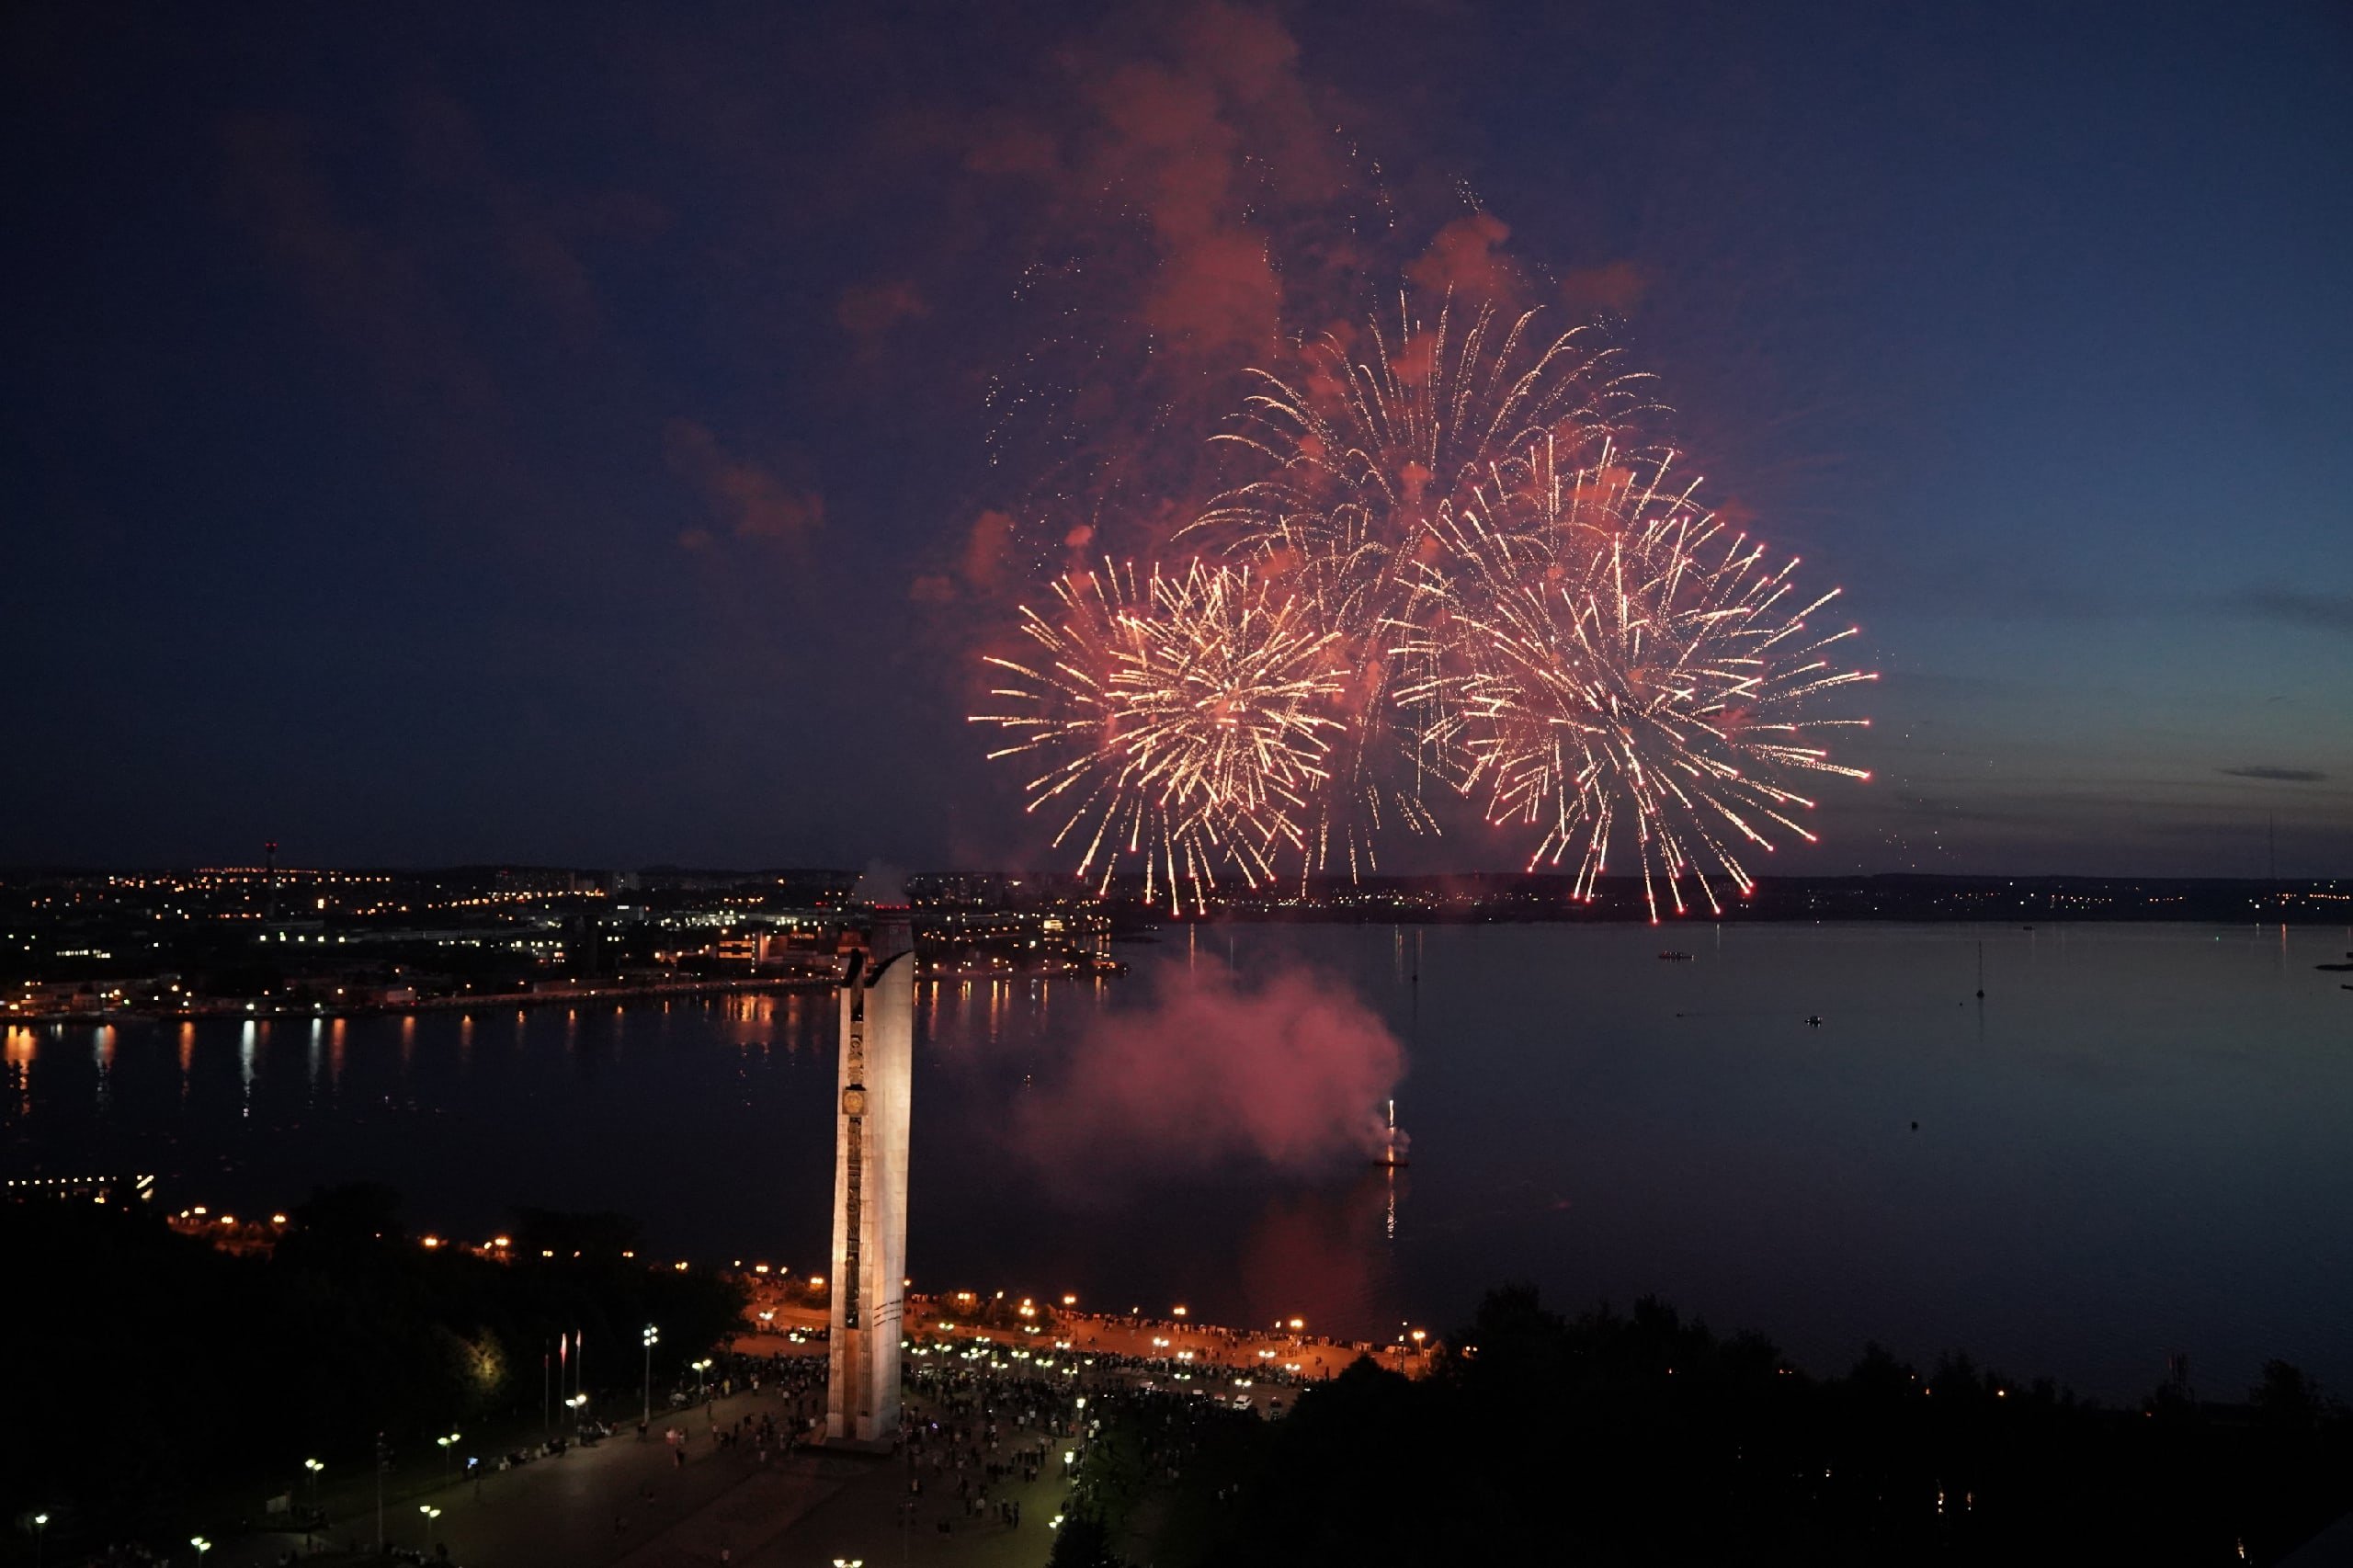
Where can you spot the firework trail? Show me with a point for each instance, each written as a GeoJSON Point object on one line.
{"type": "Point", "coordinates": [1183, 723]}
{"type": "Point", "coordinates": [1614, 662]}
{"type": "Point", "coordinates": [1366, 458]}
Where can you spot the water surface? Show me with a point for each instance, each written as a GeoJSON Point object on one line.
{"type": "Point", "coordinates": [2136, 1145]}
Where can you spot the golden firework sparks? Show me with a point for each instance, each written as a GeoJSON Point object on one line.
{"type": "Point", "coordinates": [1617, 662]}
{"type": "Point", "coordinates": [1370, 449]}
{"type": "Point", "coordinates": [1183, 721]}
{"type": "Point", "coordinates": [1451, 569]}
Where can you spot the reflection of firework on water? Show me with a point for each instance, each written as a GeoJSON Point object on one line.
{"type": "Point", "coordinates": [1182, 722]}
{"type": "Point", "coordinates": [1630, 666]}
{"type": "Point", "coordinates": [1372, 449]}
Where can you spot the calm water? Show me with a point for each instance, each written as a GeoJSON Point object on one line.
{"type": "Point", "coordinates": [2137, 1144]}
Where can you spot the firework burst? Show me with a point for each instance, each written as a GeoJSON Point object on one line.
{"type": "Point", "coordinates": [1616, 664]}
{"type": "Point", "coordinates": [1183, 721]}
{"type": "Point", "coordinates": [1368, 452]}
{"type": "Point", "coordinates": [1450, 570]}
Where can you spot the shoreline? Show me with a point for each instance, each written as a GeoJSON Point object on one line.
{"type": "Point", "coordinates": [1180, 1343]}
{"type": "Point", "coordinates": [488, 1002]}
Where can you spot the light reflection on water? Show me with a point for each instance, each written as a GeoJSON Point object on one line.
{"type": "Point", "coordinates": [2133, 1146]}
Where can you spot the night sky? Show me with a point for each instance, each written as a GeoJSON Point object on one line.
{"type": "Point", "coordinates": [607, 435]}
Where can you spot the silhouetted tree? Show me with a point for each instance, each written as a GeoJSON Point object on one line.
{"type": "Point", "coordinates": [1083, 1542]}
{"type": "Point", "coordinates": [353, 1213]}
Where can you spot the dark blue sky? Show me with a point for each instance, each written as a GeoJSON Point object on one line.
{"type": "Point", "coordinates": [572, 434]}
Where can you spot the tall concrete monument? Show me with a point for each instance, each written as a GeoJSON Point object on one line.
{"type": "Point", "coordinates": [870, 1185]}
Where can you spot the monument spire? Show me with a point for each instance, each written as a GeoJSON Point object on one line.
{"type": "Point", "coordinates": [870, 1182]}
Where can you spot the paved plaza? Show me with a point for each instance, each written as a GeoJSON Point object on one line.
{"type": "Point", "coordinates": [628, 1502]}
{"type": "Point", "coordinates": [591, 1508]}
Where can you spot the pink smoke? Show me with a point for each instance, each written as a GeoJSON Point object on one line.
{"type": "Point", "coordinates": [1290, 1073]}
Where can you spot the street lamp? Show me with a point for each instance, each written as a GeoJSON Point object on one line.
{"type": "Point", "coordinates": [203, 1546]}
{"type": "Point", "coordinates": [40, 1534]}
{"type": "Point", "coordinates": [431, 1514]}
{"type": "Point", "coordinates": [700, 1367]}
{"type": "Point", "coordinates": [447, 1445]}
{"type": "Point", "coordinates": [849, 1562]}
{"type": "Point", "coordinates": [314, 1466]}
{"type": "Point", "coordinates": [653, 1339]}
{"type": "Point", "coordinates": [384, 1463]}
{"type": "Point", "coordinates": [1419, 1334]}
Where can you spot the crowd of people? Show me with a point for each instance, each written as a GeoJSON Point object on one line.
{"type": "Point", "coordinates": [968, 1427]}
{"type": "Point", "coordinates": [981, 1425]}
{"type": "Point", "coordinates": [984, 1425]}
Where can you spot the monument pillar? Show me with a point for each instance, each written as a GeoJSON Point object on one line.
{"type": "Point", "coordinates": [871, 1188]}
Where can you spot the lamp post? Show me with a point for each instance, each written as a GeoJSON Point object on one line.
{"type": "Point", "coordinates": [203, 1546]}
{"type": "Point", "coordinates": [700, 1367]}
{"type": "Point", "coordinates": [41, 1533]}
{"type": "Point", "coordinates": [447, 1445]}
{"type": "Point", "coordinates": [653, 1339]}
{"type": "Point", "coordinates": [314, 1466]}
{"type": "Point", "coordinates": [431, 1514]}
{"type": "Point", "coordinates": [384, 1463]}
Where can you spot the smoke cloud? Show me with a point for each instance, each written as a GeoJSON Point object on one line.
{"type": "Point", "coordinates": [880, 882]}
{"type": "Point", "coordinates": [1290, 1073]}
{"type": "Point", "coordinates": [752, 501]}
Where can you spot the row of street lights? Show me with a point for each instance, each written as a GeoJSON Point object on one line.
{"type": "Point", "coordinates": [40, 1539]}
{"type": "Point", "coordinates": [447, 1445]}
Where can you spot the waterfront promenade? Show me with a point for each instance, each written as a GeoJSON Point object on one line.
{"type": "Point", "coordinates": [1290, 1347]}
{"type": "Point", "coordinates": [628, 1502]}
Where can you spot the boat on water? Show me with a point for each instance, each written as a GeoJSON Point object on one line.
{"type": "Point", "coordinates": [1813, 1020]}
{"type": "Point", "coordinates": [1391, 1152]}
{"type": "Point", "coordinates": [1672, 956]}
